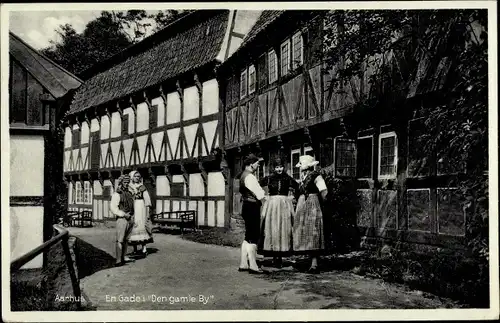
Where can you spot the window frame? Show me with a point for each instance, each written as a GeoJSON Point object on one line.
{"type": "Point", "coordinates": [272, 54]}
{"type": "Point", "coordinates": [295, 63]}
{"type": "Point", "coordinates": [244, 76]}
{"type": "Point", "coordinates": [288, 66]}
{"type": "Point", "coordinates": [335, 156]}
{"type": "Point", "coordinates": [78, 196]}
{"type": "Point", "coordinates": [380, 137]}
{"type": "Point", "coordinates": [373, 152]}
{"type": "Point", "coordinates": [251, 69]}
{"type": "Point", "coordinates": [296, 150]}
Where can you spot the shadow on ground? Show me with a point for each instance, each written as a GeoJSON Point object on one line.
{"type": "Point", "coordinates": [90, 259]}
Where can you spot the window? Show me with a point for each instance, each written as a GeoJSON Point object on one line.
{"type": "Point", "coordinates": [251, 79]}
{"type": "Point", "coordinates": [297, 50]}
{"type": "Point", "coordinates": [243, 84]}
{"type": "Point", "coordinates": [388, 155]}
{"type": "Point", "coordinates": [153, 116]}
{"type": "Point", "coordinates": [345, 157]}
{"type": "Point", "coordinates": [78, 196]}
{"type": "Point", "coordinates": [273, 66]}
{"type": "Point", "coordinates": [308, 151]}
{"type": "Point", "coordinates": [364, 157]}
{"type": "Point", "coordinates": [295, 172]}
{"type": "Point", "coordinates": [177, 189]}
{"type": "Point", "coordinates": [285, 57]}
{"type": "Point", "coordinates": [262, 71]}
{"type": "Point", "coordinates": [87, 193]}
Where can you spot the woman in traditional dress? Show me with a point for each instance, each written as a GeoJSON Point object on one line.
{"type": "Point", "coordinates": [141, 232]}
{"type": "Point", "coordinates": [277, 213]}
{"type": "Point", "coordinates": [308, 234]}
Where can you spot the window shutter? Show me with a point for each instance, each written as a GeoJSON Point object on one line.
{"type": "Point", "coordinates": [236, 88]}
{"type": "Point", "coordinates": [94, 150]}
{"type": "Point", "coordinates": [262, 77]}
{"type": "Point", "coordinates": [125, 121]}
{"type": "Point", "coordinates": [153, 116]}
{"type": "Point", "coordinates": [229, 92]}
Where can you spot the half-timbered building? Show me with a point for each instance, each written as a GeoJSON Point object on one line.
{"type": "Point", "coordinates": [39, 93]}
{"type": "Point", "coordinates": [278, 99]}
{"type": "Point", "coordinates": [155, 107]}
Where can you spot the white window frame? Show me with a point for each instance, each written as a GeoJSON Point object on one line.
{"type": "Point", "coordinates": [251, 70]}
{"type": "Point", "coordinates": [383, 136]}
{"type": "Point", "coordinates": [78, 199]}
{"type": "Point", "coordinates": [292, 165]}
{"type": "Point", "coordinates": [87, 192]}
{"type": "Point", "coordinates": [272, 54]}
{"type": "Point", "coordinates": [243, 89]}
{"type": "Point", "coordinates": [371, 168]}
{"type": "Point", "coordinates": [288, 63]}
{"type": "Point", "coordinates": [296, 63]}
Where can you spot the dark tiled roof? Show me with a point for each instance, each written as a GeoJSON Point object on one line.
{"type": "Point", "coordinates": [53, 77]}
{"type": "Point", "coordinates": [265, 18]}
{"type": "Point", "coordinates": [179, 53]}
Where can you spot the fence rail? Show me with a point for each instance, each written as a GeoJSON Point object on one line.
{"type": "Point", "coordinates": [63, 236]}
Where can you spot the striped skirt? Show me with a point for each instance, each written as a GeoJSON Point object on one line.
{"type": "Point", "coordinates": [308, 225]}
{"type": "Point", "coordinates": [276, 224]}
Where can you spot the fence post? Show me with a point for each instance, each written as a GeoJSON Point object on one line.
{"type": "Point", "coordinates": [71, 269]}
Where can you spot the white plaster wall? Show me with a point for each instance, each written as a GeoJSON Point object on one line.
{"type": "Point", "coordinates": [94, 125]}
{"type": "Point", "coordinates": [85, 161]}
{"type": "Point", "coordinates": [106, 212]}
{"type": "Point", "coordinates": [220, 213]}
{"type": "Point", "coordinates": [201, 213]}
{"type": "Point", "coordinates": [95, 210]}
{"type": "Point", "coordinates": [26, 165]}
{"type": "Point", "coordinates": [141, 143]}
{"type": "Point", "coordinates": [173, 108]}
{"type": "Point", "coordinates": [105, 126]}
{"type": "Point", "coordinates": [211, 213]}
{"type": "Point", "coordinates": [84, 136]}
{"type": "Point", "coordinates": [216, 184]}
{"type": "Point", "coordinates": [159, 206]}
{"type": "Point", "coordinates": [166, 206]}
{"type": "Point", "coordinates": [131, 120]}
{"type": "Point", "coordinates": [142, 116]}
{"type": "Point", "coordinates": [104, 155]}
{"type": "Point", "coordinates": [162, 186]}
{"type": "Point", "coordinates": [192, 205]}
{"type": "Point", "coordinates": [210, 129]}
{"type": "Point", "coordinates": [161, 110]}
{"type": "Point", "coordinates": [176, 206]}
{"type": "Point", "coordinates": [26, 233]}
{"type": "Point", "coordinates": [67, 137]}
{"type": "Point", "coordinates": [196, 187]}
{"type": "Point", "coordinates": [116, 125]}
{"type": "Point", "coordinates": [127, 149]}
{"type": "Point", "coordinates": [115, 150]}
{"type": "Point", "coordinates": [190, 133]}
{"type": "Point", "coordinates": [210, 97]}
{"type": "Point", "coordinates": [107, 182]}
{"type": "Point", "coordinates": [191, 103]}
{"type": "Point", "coordinates": [157, 139]}
{"type": "Point", "coordinates": [173, 137]}
{"type": "Point", "coordinates": [97, 188]}
{"type": "Point", "coordinates": [70, 192]}
{"type": "Point", "coordinates": [66, 161]}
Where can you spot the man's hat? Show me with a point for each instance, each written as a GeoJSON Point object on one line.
{"type": "Point", "coordinates": [250, 159]}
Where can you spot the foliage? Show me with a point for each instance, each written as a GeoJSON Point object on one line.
{"type": "Point", "coordinates": [400, 46]}
{"type": "Point", "coordinates": [108, 34]}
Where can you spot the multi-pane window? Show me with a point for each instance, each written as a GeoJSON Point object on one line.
{"type": "Point", "coordinates": [251, 79]}
{"type": "Point", "coordinates": [285, 57]}
{"type": "Point", "coordinates": [345, 157]}
{"type": "Point", "coordinates": [297, 50]}
{"type": "Point", "coordinates": [78, 195]}
{"type": "Point", "coordinates": [273, 66]}
{"type": "Point", "coordinates": [243, 84]}
{"type": "Point", "coordinates": [388, 156]}
{"type": "Point", "coordinates": [87, 193]}
{"type": "Point", "coordinates": [364, 157]}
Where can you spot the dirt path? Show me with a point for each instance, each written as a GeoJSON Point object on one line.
{"type": "Point", "coordinates": [181, 274]}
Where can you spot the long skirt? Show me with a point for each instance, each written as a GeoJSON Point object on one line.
{"type": "Point", "coordinates": [276, 224]}
{"type": "Point", "coordinates": [141, 232]}
{"type": "Point", "coordinates": [308, 225]}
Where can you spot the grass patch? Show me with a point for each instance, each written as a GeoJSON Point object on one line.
{"type": "Point", "coordinates": [216, 236]}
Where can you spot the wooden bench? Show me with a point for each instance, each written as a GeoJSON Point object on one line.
{"type": "Point", "coordinates": [78, 219]}
{"type": "Point", "coordinates": [180, 219]}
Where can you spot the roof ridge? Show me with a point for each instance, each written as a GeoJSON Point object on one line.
{"type": "Point", "coordinates": [45, 57]}
{"type": "Point", "coordinates": [136, 45]}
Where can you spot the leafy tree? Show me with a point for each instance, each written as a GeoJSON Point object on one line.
{"type": "Point", "coordinates": [108, 34]}
{"type": "Point", "coordinates": [398, 45]}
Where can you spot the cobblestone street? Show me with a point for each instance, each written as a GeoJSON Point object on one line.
{"type": "Point", "coordinates": [180, 274]}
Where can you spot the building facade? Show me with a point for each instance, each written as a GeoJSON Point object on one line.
{"type": "Point", "coordinates": [39, 93]}
{"type": "Point", "coordinates": [279, 100]}
{"type": "Point", "coordinates": [155, 107]}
